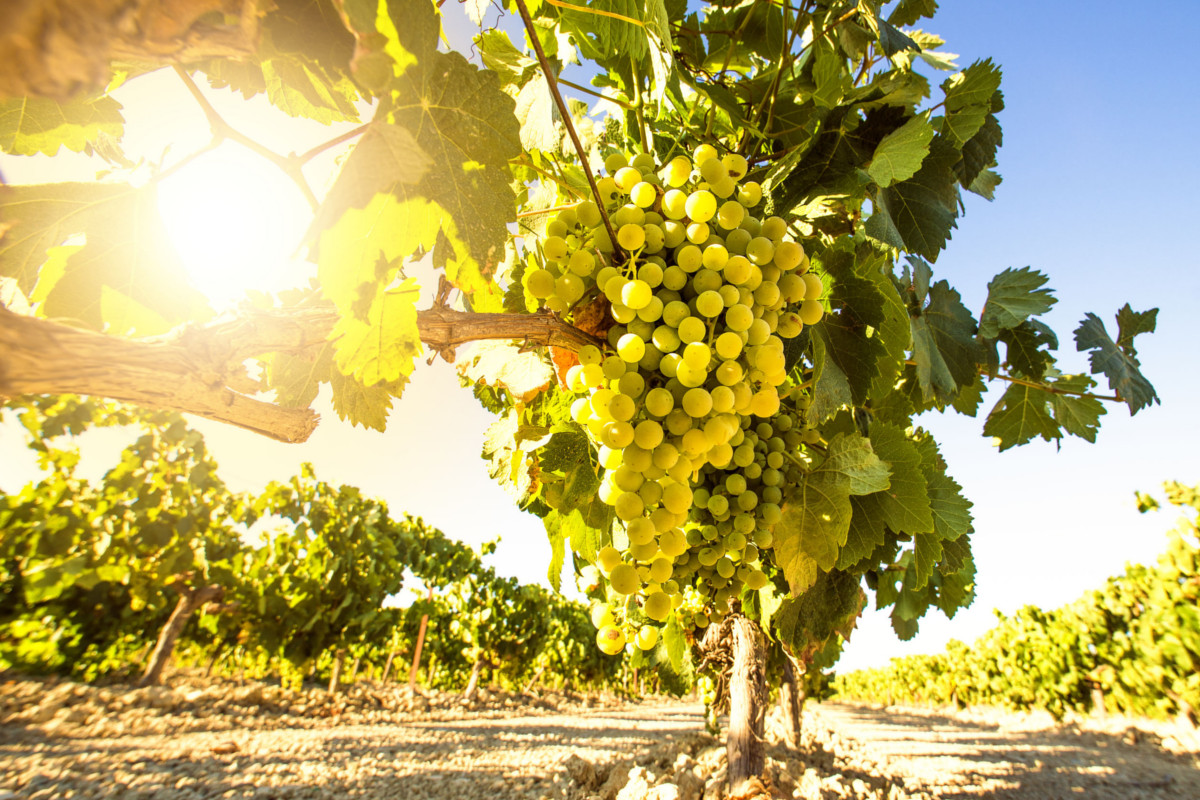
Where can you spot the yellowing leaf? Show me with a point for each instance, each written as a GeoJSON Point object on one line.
{"type": "Point", "coordinates": [384, 346]}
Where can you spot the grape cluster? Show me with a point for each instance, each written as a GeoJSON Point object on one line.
{"type": "Point", "coordinates": [690, 408]}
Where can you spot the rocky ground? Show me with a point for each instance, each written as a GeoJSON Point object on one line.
{"type": "Point", "coordinates": [200, 739]}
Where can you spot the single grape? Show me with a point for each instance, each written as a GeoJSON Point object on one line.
{"type": "Point", "coordinates": [701, 206]}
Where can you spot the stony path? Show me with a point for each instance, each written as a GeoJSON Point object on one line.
{"type": "Point", "coordinates": [457, 760]}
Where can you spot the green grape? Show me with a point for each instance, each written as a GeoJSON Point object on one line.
{"type": "Point", "coordinates": [613, 367]}
{"type": "Point", "coordinates": [677, 171]}
{"type": "Point", "coordinates": [643, 194]}
{"type": "Point", "coordinates": [608, 191]}
{"type": "Point", "coordinates": [614, 161]}
{"type": "Point", "coordinates": [631, 348]}
{"type": "Point", "coordinates": [730, 295]}
{"type": "Point", "coordinates": [540, 283]}
{"type": "Point", "coordinates": [652, 312]}
{"type": "Point", "coordinates": [715, 256]}
{"type": "Point", "coordinates": [689, 377]}
{"type": "Point", "coordinates": [648, 434]}
{"type": "Point", "coordinates": [749, 194]}
{"type": "Point", "coordinates": [555, 228]}
{"type": "Point", "coordinates": [629, 214]}
{"type": "Point", "coordinates": [581, 263]}
{"type": "Point", "coordinates": [689, 258]}
{"type": "Point", "coordinates": [636, 294]}
{"type": "Point", "coordinates": [631, 236]}
{"type": "Point", "coordinates": [590, 354]}
{"type": "Point", "coordinates": [697, 355]}
{"type": "Point", "coordinates": [674, 204]}
{"type": "Point", "coordinates": [617, 434]}
{"type": "Point", "coordinates": [760, 250]}
{"type": "Point", "coordinates": [674, 233]}
{"type": "Point", "coordinates": [710, 303]}
{"type": "Point", "coordinates": [730, 215]}
{"type": "Point", "coordinates": [788, 255]}
{"type": "Point", "coordinates": [701, 206]}
{"type": "Point", "coordinates": [767, 294]}
{"type": "Point", "coordinates": [739, 317]}
{"type": "Point", "coordinates": [712, 170]}
{"type": "Point", "coordinates": [588, 214]}
{"type": "Point", "coordinates": [554, 248]}
{"type": "Point", "coordinates": [692, 329]}
{"type": "Point", "coordinates": [706, 280]}
{"type": "Point", "coordinates": [698, 233]}
{"type": "Point", "coordinates": [655, 238]}
{"type": "Point", "coordinates": [622, 408]}
{"type": "Point", "coordinates": [703, 153]}
{"type": "Point", "coordinates": [737, 239]}
{"type": "Point", "coordinates": [737, 269]}
{"type": "Point", "coordinates": [735, 165]}
{"type": "Point", "coordinates": [659, 403]}
{"type": "Point", "coordinates": [792, 287]}
{"type": "Point", "coordinates": [723, 399]}
{"type": "Point", "coordinates": [678, 422]}
{"type": "Point", "coordinates": [811, 312]}
{"type": "Point", "coordinates": [627, 178]}
{"type": "Point", "coordinates": [723, 188]}
{"type": "Point", "coordinates": [774, 228]}
{"type": "Point", "coordinates": [697, 403]}
{"type": "Point", "coordinates": [632, 384]}
{"type": "Point", "coordinates": [644, 162]}
{"type": "Point", "coordinates": [665, 339]}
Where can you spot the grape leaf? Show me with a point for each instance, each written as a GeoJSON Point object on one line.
{"type": "Point", "coordinates": [907, 12]}
{"type": "Point", "coordinates": [979, 153]}
{"type": "Point", "coordinates": [816, 516]}
{"type": "Point", "coordinates": [556, 531]}
{"type": "Point", "coordinates": [918, 214]}
{"type": "Point", "coordinates": [676, 642]}
{"type": "Point", "coordinates": [128, 249]}
{"type": "Point", "coordinates": [1021, 414]}
{"type": "Point", "coordinates": [1013, 296]}
{"type": "Point", "coordinates": [900, 153]}
{"type": "Point", "coordinates": [382, 346]}
{"type": "Point", "coordinates": [969, 100]}
{"type": "Point", "coordinates": [829, 606]}
{"type": "Point", "coordinates": [1078, 416]}
{"type": "Point", "coordinates": [904, 505]}
{"type": "Point", "coordinates": [1024, 352]}
{"type": "Point", "coordinates": [1118, 362]}
{"type": "Point", "coordinates": [297, 380]}
{"type": "Point", "coordinates": [360, 404]}
{"type": "Point", "coordinates": [32, 125]}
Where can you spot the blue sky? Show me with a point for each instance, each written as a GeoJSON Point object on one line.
{"type": "Point", "coordinates": [1099, 179]}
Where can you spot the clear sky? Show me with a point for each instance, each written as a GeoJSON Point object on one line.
{"type": "Point", "coordinates": [1099, 180]}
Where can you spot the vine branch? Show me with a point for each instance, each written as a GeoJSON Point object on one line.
{"type": "Point", "coordinates": [201, 369]}
{"type": "Point", "coordinates": [552, 82]}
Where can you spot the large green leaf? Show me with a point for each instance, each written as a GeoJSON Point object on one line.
{"type": "Point", "coordinates": [816, 516]}
{"type": "Point", "coordinates": [127, 251]}
{"type": "Point", "coordinates": [899, 155]}
{"type": "Point", "coordinates": [918, 214]}
{"type": "Point", "coordinates": [1118, 360]}
{"type": "Point", "coordinates": [1014, 296]}
{"type": "Point", "coordinates": [31, 125]}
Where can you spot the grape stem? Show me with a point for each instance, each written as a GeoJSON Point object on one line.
{"type": "Point", "coordinates": [552, 82]}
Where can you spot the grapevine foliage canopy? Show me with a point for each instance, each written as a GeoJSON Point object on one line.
{"type": "Point", "coordinates": [861, 130]}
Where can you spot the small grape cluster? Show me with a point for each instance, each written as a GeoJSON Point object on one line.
{"type": "Point", "coordinates": [690, 408]}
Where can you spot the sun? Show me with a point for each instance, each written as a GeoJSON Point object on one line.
{"type": "Point", "coordinates": [237, 222]}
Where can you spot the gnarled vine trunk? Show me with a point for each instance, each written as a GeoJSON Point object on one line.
{"type": "Point", "coordinates": [189, 600]}
{"type": "Point", "coordinates": [791, 702]}
{"type": "Point", "coordinates": [744, 744]}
